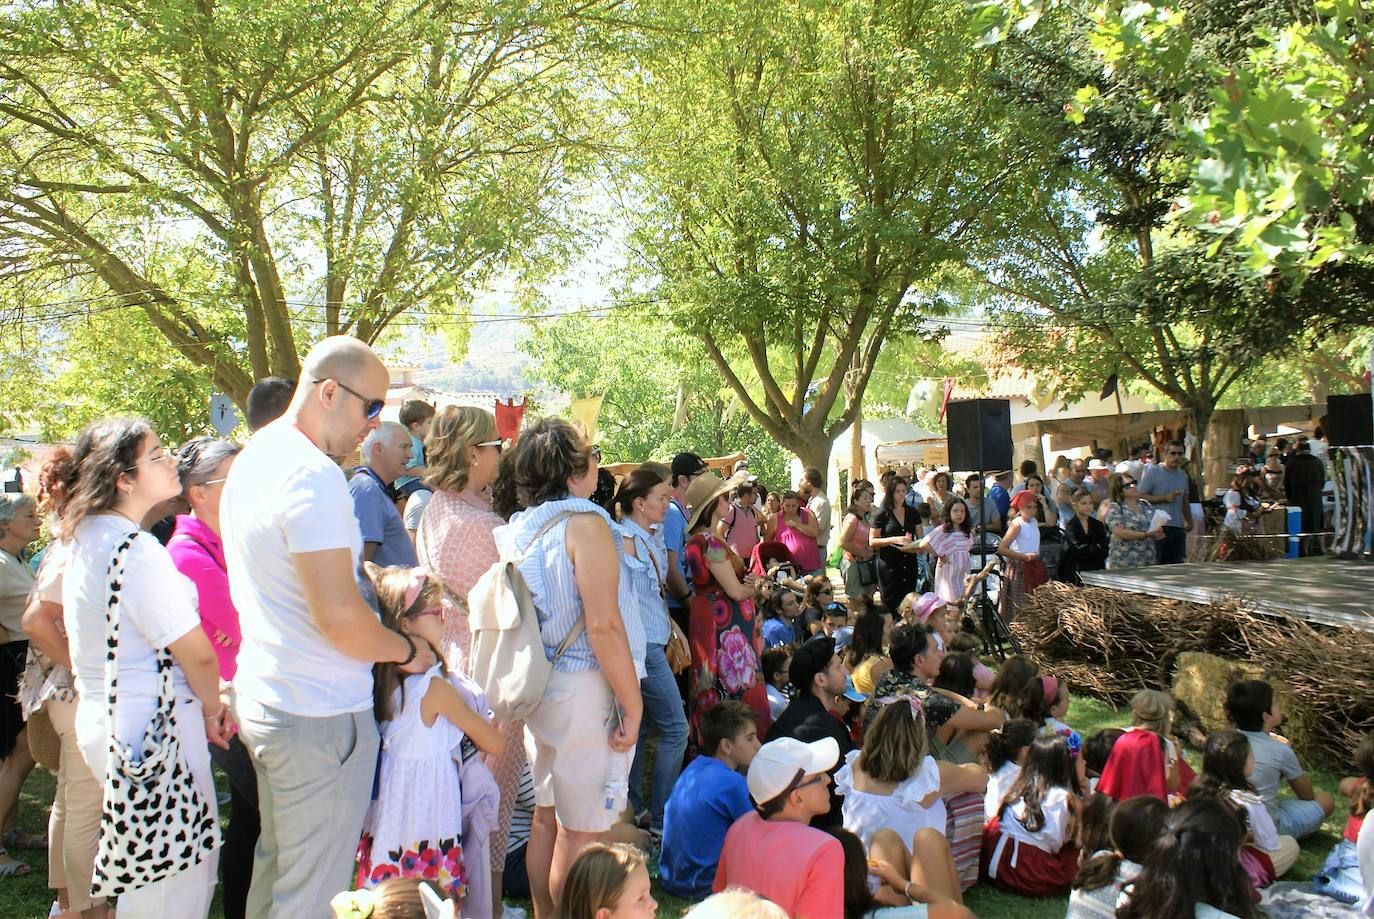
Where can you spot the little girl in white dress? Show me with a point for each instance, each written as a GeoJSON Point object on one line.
{"type": "Point", "coordinates": [414, 827]}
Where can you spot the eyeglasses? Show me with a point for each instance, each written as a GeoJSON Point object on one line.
{"type": "Point", "coordinates": [371, 407]}
{"type": "Point", "coordinates": [818, 777]}
{"type": "Point", "coordinates": [1128, 484]}
{"type": "Point", "coordinates": [595, 454]}
{"type": "Point", "coordinates": [492, 443]}
{"type": "Point", "coordinates": [160, 456]}
{"type": "Point", "coordinates": [208, 482]}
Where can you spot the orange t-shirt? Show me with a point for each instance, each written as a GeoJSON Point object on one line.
{"type": "Point", "coordinates": [796, 866]}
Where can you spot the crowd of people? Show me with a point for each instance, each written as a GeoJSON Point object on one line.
{"type": "Point", "coordinates": [345, 649]}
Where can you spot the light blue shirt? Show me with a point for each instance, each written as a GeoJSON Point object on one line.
{"type": "Point", "coordinates": [1158, 480]}
{"type": "Point", "coordinates": [675, 540]}
{"type": "Point", "coordinates": [646, 571]}
{"type": "Point", "coordinates": [417, 459]}
{"type": "Point", "coordinates": [548, 571]}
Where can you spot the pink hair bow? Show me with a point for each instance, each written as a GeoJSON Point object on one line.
{"type": "Point", "coordinates": [419, 577]}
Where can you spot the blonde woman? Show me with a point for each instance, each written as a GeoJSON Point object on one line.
{"type": "Point", "coordinates": [454, 538]}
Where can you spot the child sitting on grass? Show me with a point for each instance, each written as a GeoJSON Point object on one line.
{"type": "Point", "coordinates": [1029, 847]}
{"type": "Point", "coordinates": [1254, 710]}
{"type": "Point", "coordinates": [1006, 752]}
{"type": "Point", "coordinates": [709, 795]}
{"type": "Point", "coordinates": [1146, 760]}
{"type": "Point", "coordinates": [1339, 876]}
{"type": "Point", "coordinates": [1133, 829]}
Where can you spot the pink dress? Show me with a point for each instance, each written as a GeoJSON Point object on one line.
{"type": "Point", "coordinates": [952, 548]}
{"type": "Point", "coordinates": [455, 539]}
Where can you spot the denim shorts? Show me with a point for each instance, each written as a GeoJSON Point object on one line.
{"type": "Point", "coordinates": [1299, 818]}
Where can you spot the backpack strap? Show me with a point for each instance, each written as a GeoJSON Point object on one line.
{"type": "Point", "coordinates": [576, 631]}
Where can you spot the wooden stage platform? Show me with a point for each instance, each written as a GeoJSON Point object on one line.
{"type": "Point", "coordinates": [1320, 589]}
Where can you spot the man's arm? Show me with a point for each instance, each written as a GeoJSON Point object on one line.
{"type": "Point", "coordinates": [370, 550]}
{"type": "Point", "coordinates": [344, 618]}
{"type": "Point", "coordinates": [677, 582]}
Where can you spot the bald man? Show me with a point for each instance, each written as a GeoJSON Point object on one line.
{"type": "Point", "coordinates": [304, 678]}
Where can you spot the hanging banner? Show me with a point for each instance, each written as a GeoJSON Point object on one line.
{"type": "Point", "coordinates": [585, 413]}
{"type": "Point", "coordinates": [508, 418]}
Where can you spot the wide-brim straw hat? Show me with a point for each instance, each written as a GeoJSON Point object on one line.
{"type": "Point", "coordinates": [703, 492]}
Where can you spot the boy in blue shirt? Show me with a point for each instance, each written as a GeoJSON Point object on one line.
{"type": "Point", "coordinates": [710, 794]}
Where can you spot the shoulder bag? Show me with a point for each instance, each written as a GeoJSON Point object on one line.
{"type": "Point", "coordinates": [155, 823]}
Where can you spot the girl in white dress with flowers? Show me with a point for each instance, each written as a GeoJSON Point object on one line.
{"type": "Point", "coordinates": [415, 826]}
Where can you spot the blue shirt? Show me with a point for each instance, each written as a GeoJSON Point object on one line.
{"type": "Point", "coordinates": [1158, 480]}
{"type": "Point", "coordinates": [645, 573]}
{"type": "Point", "coordinates": [1002, 498]}
{"type": "Point", "coordinates": [707, 797]}
{"type": "Point", "coordinates": [380, 522]}
{"type": "Point", "coordinates": [675, 540]}
{"type": "Point", "coordinates": [417, 459]}
{"type": "Point", "coordinates": [778, 632]}
{"type": "Point", "coordinates": [548, 572]}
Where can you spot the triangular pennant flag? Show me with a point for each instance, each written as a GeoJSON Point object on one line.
{"type": "Point", "coordinates": [585, 413]}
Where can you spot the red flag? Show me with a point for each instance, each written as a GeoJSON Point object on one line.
{"type": "Point", "coordinates": [944, 402]}
{"type": "Point", "coordinates": [508, 418]}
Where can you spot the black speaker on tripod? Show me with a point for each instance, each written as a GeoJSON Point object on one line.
{"type": "Point", "coordinates": [979, 433]}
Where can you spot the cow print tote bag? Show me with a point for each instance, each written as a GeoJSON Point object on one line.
{"type": "Point", "coordinates": [155, 822]}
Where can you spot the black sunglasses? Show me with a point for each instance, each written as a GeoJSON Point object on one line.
{"type": "Point", "coordinates": [371, 407]}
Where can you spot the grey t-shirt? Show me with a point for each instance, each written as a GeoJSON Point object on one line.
{"type": "Point", "coordinates": [1274, 762]}
{"type": "Point", "coordinates": [1158, 480]}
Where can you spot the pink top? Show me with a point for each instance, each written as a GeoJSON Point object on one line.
{"type": "Point", "coordinates": [803, 548]}
{"type": "Point", "coordinates": [197, 552]}
{"type": "Point", "coordinates": [859, 536]}
{"type": "Point", "coordinates": [798, 867]}
{"type": "Point", "coordinates": [455, 539]}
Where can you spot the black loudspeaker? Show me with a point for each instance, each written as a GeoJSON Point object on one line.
{"type": "Point", "coordinates": [1349, 420]}
{"type": "Point", "coordinates": [979, 433]}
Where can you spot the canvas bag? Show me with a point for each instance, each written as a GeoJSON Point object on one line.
{"type": "Point", "coordinates": [507, 658]}
{"type": "Point", "coordinates": [154, 823]}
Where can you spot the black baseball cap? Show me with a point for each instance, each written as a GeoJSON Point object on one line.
{"type": "Point", "coordinates": [810, 659]}
{"type": "Point", "coordinates": [688, 464]}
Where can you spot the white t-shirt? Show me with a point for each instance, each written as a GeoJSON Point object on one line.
{"type": "Point", "coordinates": [1053, 833]}
{"type": "Point", "coordinates": [157, 606]}
{"type": "Point", "coordinates": [285, 496]}
{"type": "Point", "coordinates": [999, 783]}
{"type": "Point", "coordinates": [415, 508]}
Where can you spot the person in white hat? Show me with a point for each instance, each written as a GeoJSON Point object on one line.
{"type": "Point", "coordinates": [1098, 471]}
{"type": "Point", "coordinates": [775, 852]}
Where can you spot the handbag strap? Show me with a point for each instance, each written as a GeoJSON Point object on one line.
{"type": "Point", "coordinates": [114, 582]}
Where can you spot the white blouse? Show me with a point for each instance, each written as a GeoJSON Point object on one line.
{"type": "Point", "coordinates": [866, 812]}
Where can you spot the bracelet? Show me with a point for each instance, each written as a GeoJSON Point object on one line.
{"type": "Point", "coordinates": [216, 715]}
{"type": "Point", "coordinates": [413, 650]}
{"type": "Point", "coordinates": [907, 892]}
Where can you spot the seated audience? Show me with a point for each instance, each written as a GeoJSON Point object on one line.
{"type": "Point", "coordinates": [1006, 754]}
{"type": "Point", "coordinates": [1146, 760]}
{"type": "Point", "coordinates": [1339, 876]}
{"type": "Point", "coordinates": [1096, 750]}
{"type": "Point", "coordinates": [709, 796]}
{"type": "Point", "coordinates": [783, 623]}
{"type": "Point", "coordinates": [776, 662]}
{"type": "Point", "coordinates": [907, 898]}
{"type": "Point", "coordinates": [1134, 827]}
{"type": "Point", "coordinates": [774, 851]}
{"type": "Point", "coordinates": [1029, 847]}
{"type": "Point", "coordinates": [1254, 710]}
{"type": "Point", "coordinates": [1226, 768]}
{"type": "Point", "coordinates": [607, 882]}
{"type": "Point", "coordinates": [1170, 882]}
{"type": "Point", "coordinates": [818, 679]}
{"type": "Point", "coordinates": [1010, 684]}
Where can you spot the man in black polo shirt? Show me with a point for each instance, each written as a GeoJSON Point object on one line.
{"type": "Point", "coordinates": [817, 674]}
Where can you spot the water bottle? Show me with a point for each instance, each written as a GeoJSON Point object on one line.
{"type": "Point", "coordinates": [617, 792]}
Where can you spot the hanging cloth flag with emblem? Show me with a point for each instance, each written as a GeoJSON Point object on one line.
{"type": "Point", "coordinates": [585, 413]}
{"type": "Point", "coordinates": [508, 418]}
{"type": "Point", "coordinates": [1109, 387]}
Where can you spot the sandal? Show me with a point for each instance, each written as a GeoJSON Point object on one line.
{"type": "Point", "coordinates": [13, 868]}
{"type": "Point", "coordinates": [13, 839]}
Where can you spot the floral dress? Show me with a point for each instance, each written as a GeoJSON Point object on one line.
{"type": "Point", "coordinates": [725, 635]}
{"type": "Point", "coordinates": [414, 828]}
{"type": "Point", "coordinates": [1130, 553]}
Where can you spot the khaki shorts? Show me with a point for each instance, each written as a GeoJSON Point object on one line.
{"type": "Point", "coordinates": [567, 742]}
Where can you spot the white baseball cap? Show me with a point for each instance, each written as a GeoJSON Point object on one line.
{"type": "Point", "coordinates": [1097, 464]}
{"type": "Point", "coordinates": [779, 763]}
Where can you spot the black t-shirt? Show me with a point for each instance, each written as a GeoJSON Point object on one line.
{"type": "Point", "coordinates": [807, 720]}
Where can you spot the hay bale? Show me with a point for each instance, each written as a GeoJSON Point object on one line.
{"type": "Point", "coordinates": [1200, 682]}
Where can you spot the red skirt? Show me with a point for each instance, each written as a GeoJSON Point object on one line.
{"type": "Point", "coordinates": [1035, 872]}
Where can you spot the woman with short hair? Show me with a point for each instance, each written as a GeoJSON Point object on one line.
{"type": "Point", "coordinates": [1128, 521]}
{"type": "Point", "coordinates": [590, 714]}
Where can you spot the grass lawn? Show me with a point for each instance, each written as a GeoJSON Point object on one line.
{"type": "Point", "coordinates": [29, 897]}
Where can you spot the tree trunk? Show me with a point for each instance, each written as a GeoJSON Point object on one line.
{"type": "Point", "coordinates": [813, 452]}
{"type": "Point", "coordinates": [856, 447]}
{"type": "Point", "coordinates": [1201, 418]}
